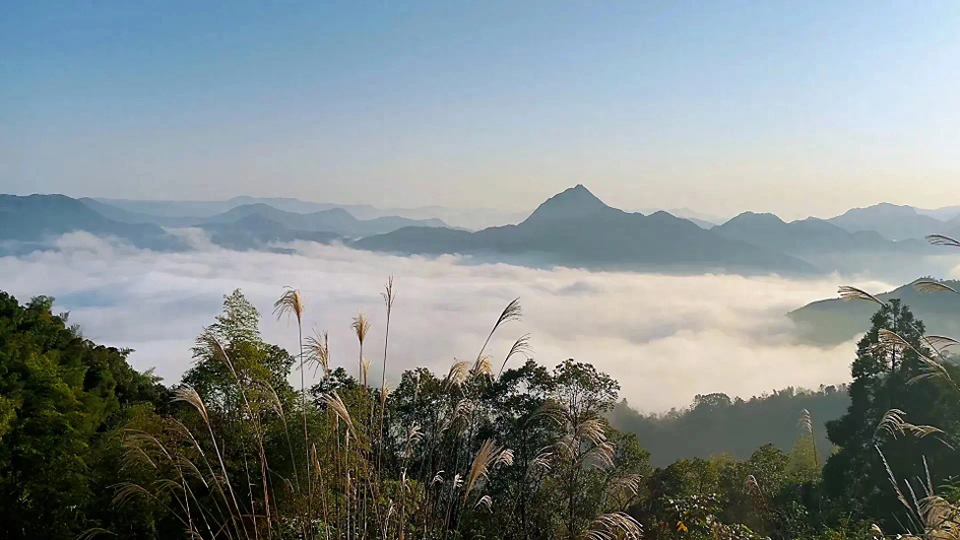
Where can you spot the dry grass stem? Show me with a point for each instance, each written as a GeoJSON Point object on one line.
{"type": "Point", "coordinates": [290, 303]}
{"type": "Point", "coordinates": [942, 240]}
{"type": "Point", "coordinates": [931, 286]}
{"type": "Point", "coordinates": [848, 293]}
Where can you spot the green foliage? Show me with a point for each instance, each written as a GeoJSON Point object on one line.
{"type": "Point", "coordinates": [64, 400]}
{"type": "Point", "coordinates": [716, 423]}
{"type": "Point", "coordinates": [884, 380]}
{"type": "Point", "coordinates": [89, 444]}
{"type": "Point", "coordinates": [804, 463]}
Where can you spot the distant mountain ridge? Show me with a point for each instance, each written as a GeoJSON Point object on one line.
{"type": "Point", "coordinates": [32, 221]}
{"type": "Point", "coordinates": [125, 216]}
{"type": "Point", "coordinates": [944, 213]}
{"type": "Point", "coordinates": [334, 220]}
{"type": "Point", "coordinates": [810, 235]}
{"type": "Point", "coordinates": [704, 220]}
{"type": "Point", "coordinates": [182, 213]}
{"type": "Point", "coordinates": [575, 228]}
{"type": "Point", "coordinates": [258, 232]}
{"type": "Point", "coordinates": [895, 222]}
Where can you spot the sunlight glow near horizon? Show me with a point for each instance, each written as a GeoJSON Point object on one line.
{"type": "Point", "coordinates": [722, 107]}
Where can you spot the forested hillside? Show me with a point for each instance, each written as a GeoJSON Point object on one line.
{"type": "Point", "coordinates": [496, 447]}
{"type": "Point", "coordinates": [715, 424]}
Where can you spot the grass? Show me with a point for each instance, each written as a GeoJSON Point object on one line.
{"type": "Point", "coordinates": [221, 484]}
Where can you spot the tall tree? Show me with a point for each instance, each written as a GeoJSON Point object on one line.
{"type": "Point", "coordinates": [883, 380]}
{"type": "Point", "coordinates": [64, 400]}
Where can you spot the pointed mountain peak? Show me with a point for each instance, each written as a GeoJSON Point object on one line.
{"type": "Point", "coordinates": [754, 218]}
{"type": "Point", "coordinates": [571, 203]}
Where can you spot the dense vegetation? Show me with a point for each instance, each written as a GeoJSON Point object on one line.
{"type": "Point", "coordinates": [717, 424]}
{"type": "Point", "coordinates": [493, 448]}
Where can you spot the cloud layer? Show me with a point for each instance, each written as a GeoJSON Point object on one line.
{"type": "Point", "coordinates": [665, 338]}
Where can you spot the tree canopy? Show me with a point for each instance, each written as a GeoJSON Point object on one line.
{"type": "Point", "coordinates": [90, 446]}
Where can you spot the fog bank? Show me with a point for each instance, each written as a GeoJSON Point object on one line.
{"type": "Point", "coordinates": [664, 338]}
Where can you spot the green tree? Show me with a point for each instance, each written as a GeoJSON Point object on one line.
{"type": "Point", "coordinates": [64, 400]}
{"type": "Point", "coordinates": [883, 379]}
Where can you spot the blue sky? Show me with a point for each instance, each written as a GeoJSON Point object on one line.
{"type": "Point", "coordinates": [796, 108]}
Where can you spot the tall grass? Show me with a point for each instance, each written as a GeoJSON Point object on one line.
{"type": "Point", "coordinates": [224, 484]}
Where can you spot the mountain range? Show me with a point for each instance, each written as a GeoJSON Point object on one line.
{"type": "Point", "coordinates": [334, 220]}
{"type": "Point", "coordinates": [811, 235]}
{"type": "Point", "coordinates": [28, 223]}
{"type": "Point", "coordinates": [255, 231]}
{"type": "Point", "coordinates": [184, 213]}
{"type": "Point", "coordinates": [893, 221]}
{"type": "Point", "coordinates": [573, 228]}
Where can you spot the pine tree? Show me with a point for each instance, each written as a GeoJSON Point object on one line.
{"type": "Point", "coordinates": [882, 380]}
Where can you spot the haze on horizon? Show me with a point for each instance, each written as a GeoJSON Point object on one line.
{"type": "Point", "coordinates": [794, 109]}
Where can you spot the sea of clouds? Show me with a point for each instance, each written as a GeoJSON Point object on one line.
{"type": "Point", "coordinates": [664, 338]}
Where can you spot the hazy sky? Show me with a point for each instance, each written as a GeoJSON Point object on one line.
{"type": "Point", "coordinates": [795, 107]}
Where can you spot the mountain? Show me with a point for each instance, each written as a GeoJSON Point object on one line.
{"type": "Point", "coordinates": [124, 216]}
{"type": "Point", "coordinates": [35, 220]}
{"type": "Point", "coordinates": [698, 222]}
{"type": "Point", "coordinates": [834, 249]}
{"type": "Point", "coordinates": [695, 216]}
{"type": "Point", "coordinates": [945, 213]}
{"type": "Point", "coordinates": [575, 228]}
{"type": "Point", "coordinates": [470, 218]}
{"type": "Point", "coordinates": [170, 209]}
{"type": "Point", "coordinates": [334, 220]}
{"type": "Point", "coordinates": [178, 213]}
{"type": "Point", "coordinates": [952, 227]}
{"type": "Point", "coordinates": [257, 232]}
{"type": "Point", "coordinates": [892, 221]}
{"type": "Point", "coordinates": [573, 203]}
{"type": "Point", "coordinates": [703, 220]}
{"type": "Point", "coordinates": [288, 204]}
{"type": "Point", "coordinates": [833, 321]}
{"type": "Point", "coordinates": [811, 235]}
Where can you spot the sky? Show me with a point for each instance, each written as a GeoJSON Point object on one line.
{"type": "Point", "coordinates": [799, 108]}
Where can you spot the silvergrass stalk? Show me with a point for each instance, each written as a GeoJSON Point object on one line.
{"type": "Point", "coordinates": [388, 298]}
{"type": "Point", "coordinates": [356, 501]}
{"type": "Point", "coordinates": [291, 303]}
{"type": "Point", "coordinates": [360, 326]}
{"type": "Point", "coordinates": [278, 407]}
{"type": "Point", "coordinates": [323, 494]}
{"type": "Point", "coordinates": [221, 352]}
{"type": "Point", "coordinates": [190, 396]}
{"type": "Point", "coordinates": [806, 422]}
{"type": "Point", "coordinates": [219, 487]}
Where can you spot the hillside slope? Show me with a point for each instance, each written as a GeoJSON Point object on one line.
{"type": "Point", "coordinates": [833, 321]}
